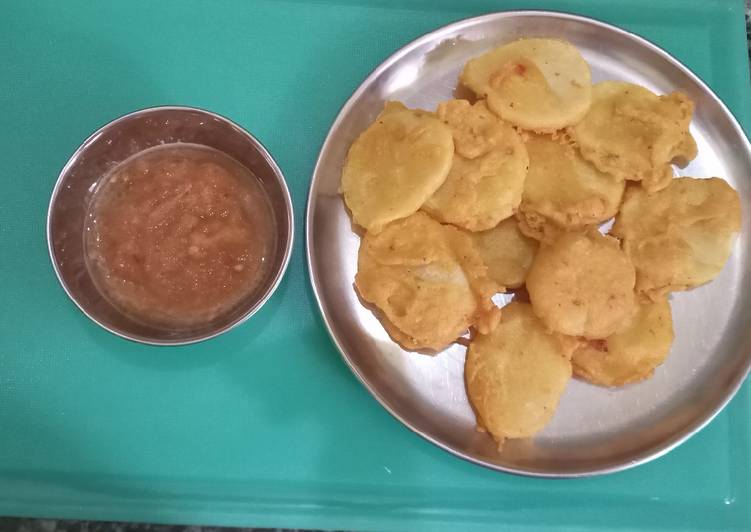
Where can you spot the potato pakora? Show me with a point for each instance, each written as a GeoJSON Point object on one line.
{"type": "Point", "coordinates": [428, 280]}
{"type": "Point", "coordinates": [516, 374]}
{"type": "Point", "coordinates": [680, 237]}
{"type": "Point", "coordinates": [537, 84]}
{"type": "Point", "coordinates": [634, 134]}
{"type": "Point", "coordinates": [395, 165]}
{"type": "Point", "coordinates": [563, 192]}
{"type": "Point", "coordinates": [582, 285]}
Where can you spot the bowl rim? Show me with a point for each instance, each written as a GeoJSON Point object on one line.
{"type": "Point", "coordinates": [288, 245]}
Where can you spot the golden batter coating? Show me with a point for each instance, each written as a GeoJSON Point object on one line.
{"type": "Point", "coordinates": [516, 374]}
{"type": "Point", "coordinates": [486, 186]}
{"type": "Point", "coordinates": [395, 165]}
{"type": "Point", "coordinates": [507, 253]}
{"type": "Point", "coordinates": [679, 237]}
{"type": "Point", "coordinates": [582, 285]}
{"type": "Point", "coordinates": [537, 84]}
{"type": "Point", "coordinates": [634, 134]}
{"type": "Point", "coordinates": [630, 355]}
{"type": "Point", "coordinates": [428, 280]}
{"type": "Point", "coordinates": [564, 192]}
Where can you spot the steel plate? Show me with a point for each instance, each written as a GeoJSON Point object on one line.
{"type": "Point", "coordinates": [595, 430]}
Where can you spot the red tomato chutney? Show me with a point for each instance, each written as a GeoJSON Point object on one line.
{"type": "Point", "coordinates": [179, 234]}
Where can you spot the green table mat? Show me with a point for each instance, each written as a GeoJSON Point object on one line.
{"type": "Point", "coordinates": [265, 425]}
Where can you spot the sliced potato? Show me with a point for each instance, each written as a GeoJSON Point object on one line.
{"type": "Point", "coordinates": [427, 280]}
{"type": "Point", "coordinates": [681, 236]}
{"type": "Point", "coordinates": [395, 165]}
{"type": "Point", "coordinates": [537, 84]}
{"type": "Point", "coordinates": [563, 192]}
{"type": "Point", "coordinates": [634, 134]}
{"type": "Point", "coordinates": [582, 285]}
{"type": "Point", "coordinates": [516, 374]}
{"type": "Point", "coordinates": [507, 253]}
{"type": "Point", "coordinates": [632, 354]}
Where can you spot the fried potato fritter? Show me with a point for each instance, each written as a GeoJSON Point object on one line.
{"type": "Point", "coordinates": [507, 253]}
{"type": "Point", "coordinates": [537, 84]}
{"type": "Point", "coordinates": [563, 192]}
{"type": "Point", "coordinates": [428, 280]}
{"type": "Point", "coordinates": [582, 285]}
{"type": "Point", "coordinates": [516, 375]}
{"type": "Point", "coordinates": [680, 237]}
{"type": "Point", "coordinates": [630, 355]}
{"type": "Point", "coordinates": [480, 191]}
{"type": "Point", "coordinates": [395, 165]}
{"type": "Point", "coordinates": [634, 134]}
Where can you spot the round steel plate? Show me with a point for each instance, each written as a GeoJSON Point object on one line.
{"type": "Point", "coordinates": [594, 430]}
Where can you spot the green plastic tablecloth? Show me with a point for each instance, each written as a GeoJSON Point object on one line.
{"type": "Point", "coordinates": [265, 425]}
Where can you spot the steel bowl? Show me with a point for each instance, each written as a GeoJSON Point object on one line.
{"type": "Point", "coordinates": [112, 144]}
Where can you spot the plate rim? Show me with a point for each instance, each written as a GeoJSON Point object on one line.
{"type": "Point", "coordinates": [657, 451]}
